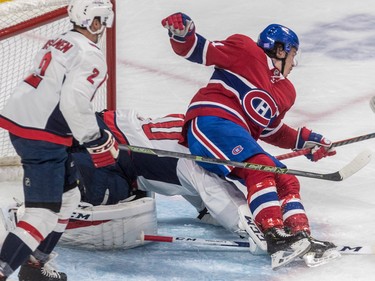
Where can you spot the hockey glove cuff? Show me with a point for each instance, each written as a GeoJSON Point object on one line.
{"type": "Point", "coordinates": [320, 146]}
{"type": "Point", "coordinates": [104, 150]}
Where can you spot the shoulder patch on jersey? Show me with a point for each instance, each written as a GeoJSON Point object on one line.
{"type": "Point", "coordinates": [260, 107]}
{"type": "Point", "coordinates": [215, 43]}
{"type": "Point", "coordinates": [237, 150]}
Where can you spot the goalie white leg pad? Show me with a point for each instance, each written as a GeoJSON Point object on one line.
{"type": "Point", "coordinates": [70, 201]}
{"type": "Point", "coordinates": [111, 226]}
{"type": "Point", "coordinates": [247, 223]}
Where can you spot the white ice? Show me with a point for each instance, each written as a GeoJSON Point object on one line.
{"type": "Point", "coordinates": [334, 83]}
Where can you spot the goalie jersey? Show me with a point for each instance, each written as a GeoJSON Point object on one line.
{"type": "Point", "coordinates": [124, 219]}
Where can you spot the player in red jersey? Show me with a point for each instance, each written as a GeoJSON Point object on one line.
{"type": "Point", "coordinates": [245, 100]}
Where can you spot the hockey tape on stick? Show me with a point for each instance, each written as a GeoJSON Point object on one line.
{"type": "Point", "coordinates": [335, 144]}
{"type": "Point", "coordinates": [346, 250]}
{"type": "Point", "coordinates": [354, 166]}
{"type": "Point", "coordinates": [293, 154]}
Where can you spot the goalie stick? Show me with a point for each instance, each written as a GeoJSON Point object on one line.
{"type": "Point", "coordinates": [335, 144]}
{"type": "Point", "coordinates": [354, 166]}
{"type": "Point", "coordinates": [343, 249]}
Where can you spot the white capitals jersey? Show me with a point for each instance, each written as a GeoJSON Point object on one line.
{"type": "Point", "coordinates": [169, 176]}
{"type": "Point", "coordinates": [53, 102]}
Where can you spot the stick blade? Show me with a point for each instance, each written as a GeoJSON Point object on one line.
{"type": "Point", "coordinates": [360, 161]}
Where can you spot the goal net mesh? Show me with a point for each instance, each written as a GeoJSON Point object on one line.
{"type": "Point", "coordinates": [25, 26]}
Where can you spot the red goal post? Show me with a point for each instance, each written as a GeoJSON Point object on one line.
{"type": "Point", "coordinates": [25, 26]}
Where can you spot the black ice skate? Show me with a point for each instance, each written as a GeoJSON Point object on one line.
{"type": "Point", "coordinates": [33, 270]}
{"type": "Point", "coordinates": [320, 253]}
{"type": "Point", "coordinates": [284, 248]}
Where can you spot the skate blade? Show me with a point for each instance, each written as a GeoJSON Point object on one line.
{"type": "Point", "coordinates": [282, 258]}
{"type": "Point", "coordinates": [328, 256]}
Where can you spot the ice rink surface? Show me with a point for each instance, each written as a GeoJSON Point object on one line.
{"type": "Point", "coordinates": [334, 82]}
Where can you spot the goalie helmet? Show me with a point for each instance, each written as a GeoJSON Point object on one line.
{"type": "Point", "coordinates": [83, 12]}
{"type": "Point", "coordinates": [276, 33]}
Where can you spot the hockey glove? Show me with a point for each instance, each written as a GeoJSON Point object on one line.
{"type": "Point", "coordinates": [179, 26]}
{"type": "Point", "coordinates": [320, 146]}
{"type": "Point", "coordinates": [104, 150]}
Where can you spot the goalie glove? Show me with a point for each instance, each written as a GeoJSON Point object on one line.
{"type": "Point", "coordinates": [320, 146]}
{"type": "Point", "coordinates": [104, 150]}
{"type": "Point", "coordinates": [179, 25]}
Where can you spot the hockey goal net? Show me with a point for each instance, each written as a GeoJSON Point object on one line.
{"type": "Point", "coordinates": [25, 26]}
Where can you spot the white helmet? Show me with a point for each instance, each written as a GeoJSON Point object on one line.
{"type": "Point", "coordinates": [83, 12]}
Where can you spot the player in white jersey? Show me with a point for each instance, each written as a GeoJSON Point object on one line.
{"type": "Point", "coordinates": [46, 110]}
{"type": "Point", "coordinates": [207, 192]}
{"type": "Point", "coordinates": [215, 199]}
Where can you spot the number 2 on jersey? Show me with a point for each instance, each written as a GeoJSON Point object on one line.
{"type": "Point", "coordinates": [35, 78]}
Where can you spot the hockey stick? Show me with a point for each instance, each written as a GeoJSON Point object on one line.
{"type": "Point", "coordinates": [347, 250]}
{"type": "Point", "coordinates": [335, 144]}
{"type": "Point", "coordinates": [171, 239]}
{"type": "Point", "coordinates": [354, 166]}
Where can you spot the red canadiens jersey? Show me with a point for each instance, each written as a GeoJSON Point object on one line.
{"type": "Point", "coordinates": [53, 102]}
{"type": "Point", "coordinates": [245, 87]}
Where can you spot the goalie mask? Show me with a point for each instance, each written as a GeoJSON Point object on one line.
{"type": "Point", "coordinates": [83, 12]}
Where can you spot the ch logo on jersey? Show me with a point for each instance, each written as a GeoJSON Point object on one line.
{"type": "Point", "coordinates": [237, 150]}
{"type": "Point", "coordinates": [260, 107]}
